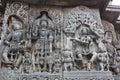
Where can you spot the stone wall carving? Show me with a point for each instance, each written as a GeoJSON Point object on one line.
{"type": "Point", "coordinates": [54, 43]}
{"type": "Point", "coordinates": [111, 44]}
{"type": "Point", "coordinates": [84, 33]}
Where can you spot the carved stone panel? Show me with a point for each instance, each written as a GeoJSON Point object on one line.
{"type": "Point", "coordinates": [53, 43]}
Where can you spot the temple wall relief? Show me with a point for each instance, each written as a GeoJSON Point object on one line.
{"type": "Point", "coordinates": [56, 42]}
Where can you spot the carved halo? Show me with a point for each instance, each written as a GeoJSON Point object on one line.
{"type": "Point", "coordinates": [78, 16]}
{"type": "Point", "coordinates": [13, 19]}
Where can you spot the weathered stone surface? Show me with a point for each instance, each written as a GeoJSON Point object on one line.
{"type": "Point", "coordinates": [92, 3]}
{"type": "Point", "coordinates": [88, 75]}
{"type": "Point", "coordinates": [55, 43]}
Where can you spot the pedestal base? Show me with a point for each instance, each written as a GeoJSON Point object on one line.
{"type": "Point", "coordinates": [88, 75]}
{"type": "Point", "coordinates": [72, 75]}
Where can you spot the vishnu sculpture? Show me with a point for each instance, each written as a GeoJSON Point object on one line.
{"type": "Point", "coordinates": [44, 44]}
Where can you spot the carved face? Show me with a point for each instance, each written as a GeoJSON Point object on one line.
{"type": "Point", "coordinates": [27, 55]}
{"type": "Point", "coordinates": [56, 79]}
{"type": "Point", "coordinates": [118, 53]}
{"type": "Point", "coordinates": [56, 57]}
{"type": "Point", "coordinates": [103, 57]}
{"type": "Point", "coordinates": [84, 30]}
{"type": "Point", "coordinates": [44, 23]}
{"type": "Point", "coordinates": [108, 37]}
{"type": "Point", "coordinates": [16, 26]}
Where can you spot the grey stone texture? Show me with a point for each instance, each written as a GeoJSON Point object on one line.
{"type": "Point", "coordinates": [55, 43]}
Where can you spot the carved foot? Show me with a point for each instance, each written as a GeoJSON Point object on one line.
{"type": "Point", "coordinates": [8, 65]}
{"type": "Point", "coordinates": [102, 70]}
{"type": "Point", "coordinates": [15, 68]}
{"type": "Point", "coordinates": [9, 68]}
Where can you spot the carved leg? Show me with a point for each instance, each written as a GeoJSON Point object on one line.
{"type": "Point", "coordinates": [89, 66]}
{"type": "Point", "coordinates": [93, 57]}
{"type": "Point", "coordinates": [5, 57]}
{"type": "Point", "coordinates": [108, 66]}
{"type": "Point", "coordinates": [38, 67]}
{"type": "Point", "coordinates": [41, 65]}
{"type": "Point", "coordinates": [71, 66]}
{"type": "Point", "coordinates": [25, 68]}
{"type": "Point", "coordinates": [80, 57]}
{"type": "Point", "coordinates": [65, 66]}
{"type": "Point", "coordinates": [12, 59]}
{"type": "Point", "coordinates": [83, 66]}
{"type": "Point", "coordinates": [19, 60]}
{"type": "Point", "coordinates": [37, 58]}
{"type": "Point", "coordinates": [102, 66]}
{"type": "Point", "coordinates": [50, 68]}
{"type": "Point", "coordinates": [45, 67]}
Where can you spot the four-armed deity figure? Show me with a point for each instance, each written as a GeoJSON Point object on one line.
{"type": "Point", "coordinates": [15, 43]}
{"type": "Point", "coordinates": [44, 44]}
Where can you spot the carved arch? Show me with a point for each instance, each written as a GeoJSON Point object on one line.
{"type": "Point", "coordinates": [54, 14]}
{"type": "Point", "coordinates": [82, 15]}
{"type": "Point", "coordinates": [109, 27]}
